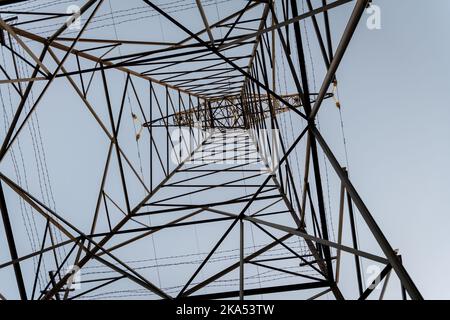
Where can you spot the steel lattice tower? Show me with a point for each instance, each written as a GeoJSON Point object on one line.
{"type": "Point", "coordinates": [211, 184]}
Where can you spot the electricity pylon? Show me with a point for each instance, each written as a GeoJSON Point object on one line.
{"type": "Point", "coordinates": [227, 190]}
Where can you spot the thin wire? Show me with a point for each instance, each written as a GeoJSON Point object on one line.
{"type": "Point", "coordinates": [137, 141]}
{"type": "Point", "coordinates": [344, 140]}
{"type": "Point", "coordinates": [223, 255]}
{"type": "Point", "coordinates": [268, 276]}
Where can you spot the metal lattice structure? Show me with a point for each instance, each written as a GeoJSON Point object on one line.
{"type": "Point", "coordinates": [212, 181]}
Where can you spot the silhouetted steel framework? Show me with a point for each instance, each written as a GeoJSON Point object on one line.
{"type": "Point", "coordinates": [212, 89]}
